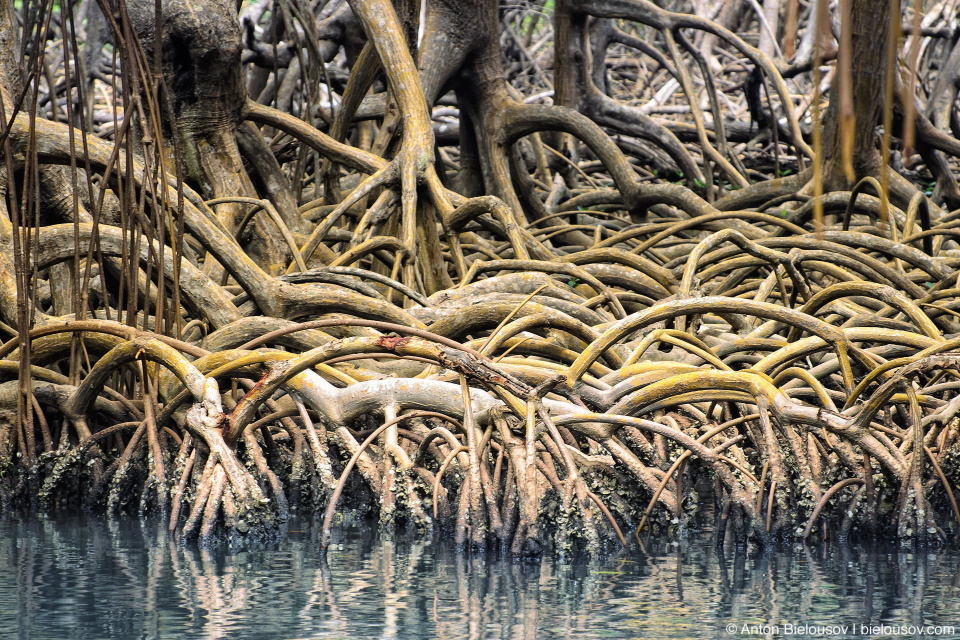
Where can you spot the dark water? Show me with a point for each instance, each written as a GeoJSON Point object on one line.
{"type": "Point", "coordinates": [88, 578]}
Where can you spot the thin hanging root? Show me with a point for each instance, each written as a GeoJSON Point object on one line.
{"type": "Point", "coordinates": [773, 490]}
{"type": "Point", "coordinates": [762, 483]}
{"type": "Point", "coordinates": [660, 489]}
{"type": "Point", "coordinates": [610, 518]}
{"type": "Point", "coordinates": [823, 502]}
{"type": "Point", "coordinates": [443, 467]}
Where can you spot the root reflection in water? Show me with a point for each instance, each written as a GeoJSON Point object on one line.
{"type": "Point", "coordinates": [84, 576]}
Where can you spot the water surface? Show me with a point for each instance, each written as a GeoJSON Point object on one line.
{"type": "Point", "coordinates": [86, 577]}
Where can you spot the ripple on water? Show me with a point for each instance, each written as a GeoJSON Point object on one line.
{"type": "Point", "coordinates": [86, 577]}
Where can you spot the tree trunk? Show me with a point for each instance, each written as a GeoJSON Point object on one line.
{"type": "Point", "coordinates": [201, 69]}
{"type": "Point", "coordinates": [870, 29]}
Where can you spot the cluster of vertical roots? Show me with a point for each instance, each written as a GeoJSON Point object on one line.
{"type": "Point", "coordinates": [545, 349]}
{"type": "Point", "coordinates": [539, 404]}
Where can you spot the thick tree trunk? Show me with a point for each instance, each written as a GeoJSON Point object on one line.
{"type": "Point", "coordinates": [201, 68]}
{"type": "Point", "coordinates": [870, 29]}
